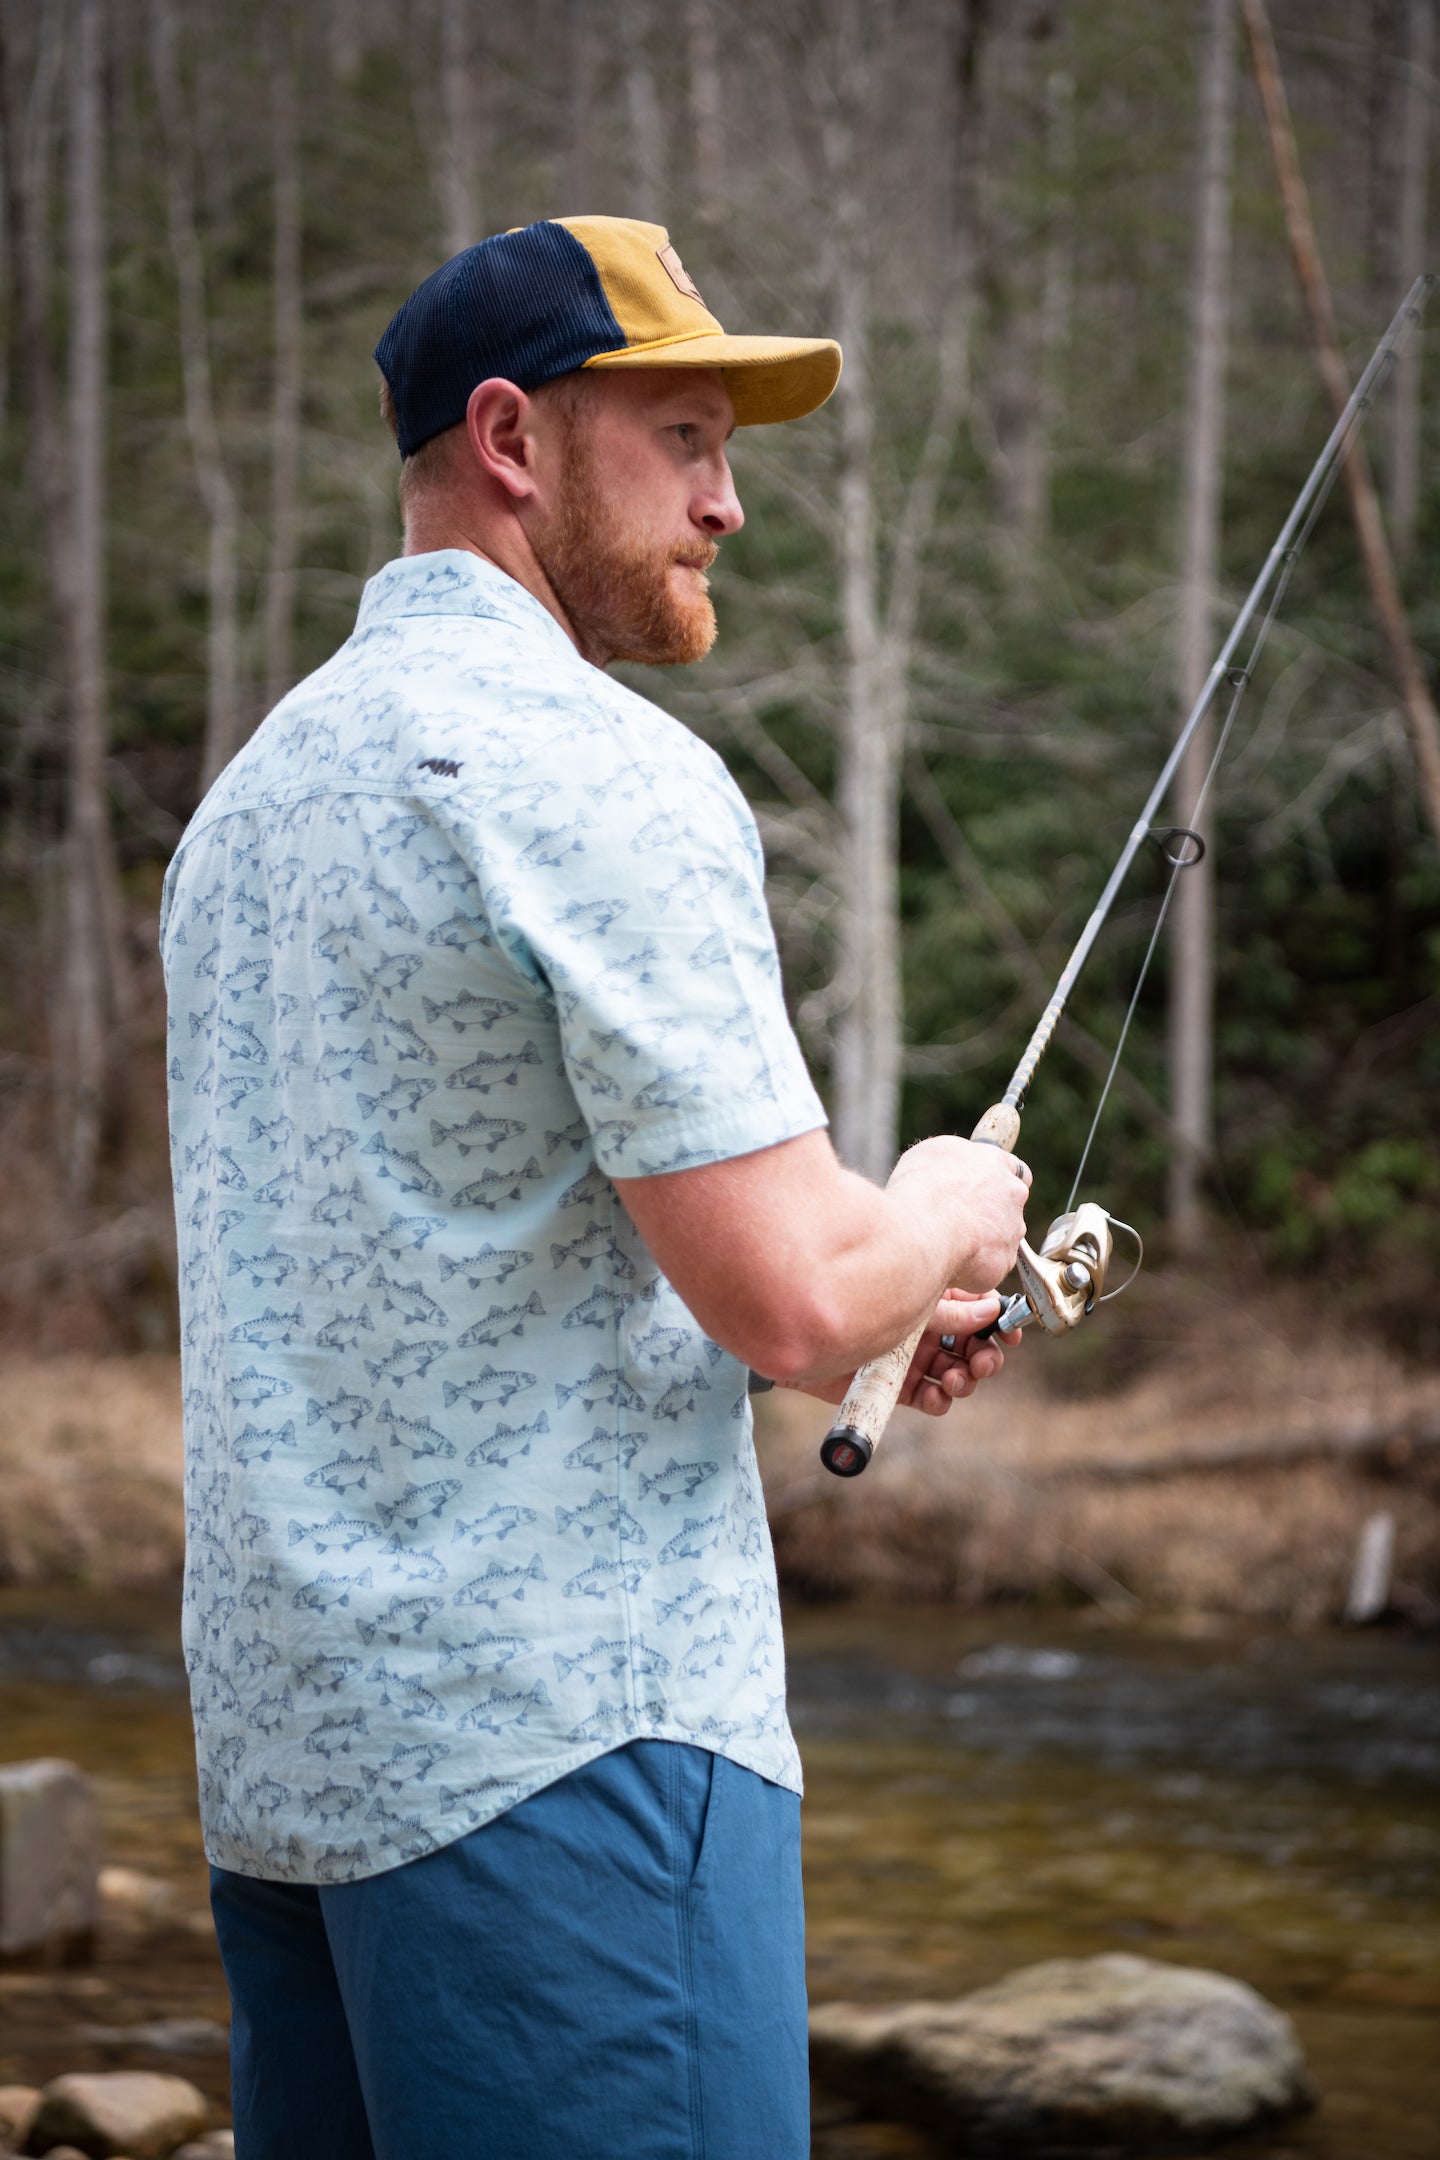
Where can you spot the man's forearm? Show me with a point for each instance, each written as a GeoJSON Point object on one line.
{"type": "Point", "coordinates": [803, 1269]}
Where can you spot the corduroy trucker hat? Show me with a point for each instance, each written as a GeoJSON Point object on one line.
{"type": "Point", "coordinates": [584, 292]}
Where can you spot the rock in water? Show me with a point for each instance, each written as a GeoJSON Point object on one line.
{"type": "Point", "coordinates": [18, 2105]}
{"type": "Point", "coordinates": [49, 1859]}
{"type": "Point", "coordinates": [135, 2112]}
{"type": "Point", "coordinates": [162, 2036]}
{"type": "Point", "coordinates": [1079, 2056]}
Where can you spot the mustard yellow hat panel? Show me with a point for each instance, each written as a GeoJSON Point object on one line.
{"type": "Point", "coordinates": [651, 294]}
{"type": "Point", "coordinates": [667, 324]}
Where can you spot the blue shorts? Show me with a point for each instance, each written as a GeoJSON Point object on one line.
{"type": "Point", "coordinates": [613, 1970]}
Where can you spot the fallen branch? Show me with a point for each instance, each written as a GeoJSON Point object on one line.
{"type": "Point", "coordinates": [1391, 1441]}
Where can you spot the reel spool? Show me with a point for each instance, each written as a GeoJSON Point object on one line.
{"type": "Point", "coordinates": [1065, 1280]}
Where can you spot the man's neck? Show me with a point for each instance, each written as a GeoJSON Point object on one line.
{"type": "Point", "coordinates": [510, 553]}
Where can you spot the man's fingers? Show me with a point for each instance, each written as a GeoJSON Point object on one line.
{"type": "Point", "coordinates": [961, 1312]}
{"type": "Point", "coordinates": [985, 1360]}
{"type": "Point", "coordinates": [950, 1365]}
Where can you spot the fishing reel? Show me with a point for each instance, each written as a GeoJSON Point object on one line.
{"type": "Point", "coordinates": [1065, 1280]}
{"type": "Point", "coordinates": [1060, 1284]}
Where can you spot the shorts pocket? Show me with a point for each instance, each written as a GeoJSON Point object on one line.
{"type": "Point", "coordinates": [707, 1776]}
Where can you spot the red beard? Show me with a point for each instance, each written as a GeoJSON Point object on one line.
{"type": "Point", "coordinates": [617, 582]}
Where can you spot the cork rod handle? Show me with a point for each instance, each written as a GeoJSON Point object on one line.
{"type": "Point", "coordinates": [875, 1390]}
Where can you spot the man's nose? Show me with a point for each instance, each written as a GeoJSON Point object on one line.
{"type": "Point", "coordinates": [717, 508]}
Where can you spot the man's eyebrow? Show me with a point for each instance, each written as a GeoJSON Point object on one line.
{"type": "Point", "coordinates": [682, 413]}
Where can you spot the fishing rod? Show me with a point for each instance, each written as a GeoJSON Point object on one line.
{"type": "Point", "coordinates": [1065, 1279]}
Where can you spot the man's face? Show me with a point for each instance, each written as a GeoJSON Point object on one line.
{"type": "Point", "coordinates": [643, 497]}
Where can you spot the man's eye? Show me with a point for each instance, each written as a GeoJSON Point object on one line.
{"type": "Point", "coordinates": [685, 429]}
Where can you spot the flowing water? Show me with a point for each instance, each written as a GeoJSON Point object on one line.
{"type": "Point", "coordinates": [981, 1794]}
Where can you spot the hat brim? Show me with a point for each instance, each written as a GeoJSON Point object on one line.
{"type": "Point", "coordinates": [769, 379]}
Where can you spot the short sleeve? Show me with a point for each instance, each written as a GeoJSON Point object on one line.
{"type": "Point", "coordinates": [633, 887]}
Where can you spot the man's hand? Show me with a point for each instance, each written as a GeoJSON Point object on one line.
{"type": "Point", "coordinates": [987, 1190]}
{"type": "Point", "coordinates": [937, 1376]}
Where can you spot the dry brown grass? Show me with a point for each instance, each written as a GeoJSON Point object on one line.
{"type": "Point", "coordinates": [1003, 1499]}
{"type": "Point", "coordinates": [90, 1470]}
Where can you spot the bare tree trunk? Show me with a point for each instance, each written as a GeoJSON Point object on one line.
{"type": "Point", "coordinates": [634, 20]}
{"type": "Point", "coordinates": [707, 163]}
{"type": "Point", "coordinates": [578, 164]}
{"type": "Point", "coordinates": [1421, 719]}
{"type": "Point", "coordinates": [879, 616]}
{"type": "Point", "coordinates": [90, 940]}
{"type": "Point", "coordinates": [223, 730]}
{"type": "Point", "coordinates": [1057, 296]}
{"type": "Point", "coordinates": [1384, 133]}
{"type": "Point", "coordinates": [867, 1041]}
{"type": "Point", "coordinates": [8, 307]}
{"type": "Point", "coordinates": [1015, 407]}
{"type": "Point", "coordinates": [93, 986]}
{"type": "Point", "coordinates": [345, 37]}
{"type": "Point", "coordinates": [96, 913]}
{"type": "Point", "coordinates": [457, 176]}
{"type": "Point", "coordinates": [26, 222]}
{"type": "Point", "coordinates": [1020, 406]}
{"type": "Point", "coordinates": [1404, 473]}
{"type": "Point", "coordinates": [26, 133]}
{"type": "Point", "coordinates": [1192, 942]}
{"type": "Point", "coordinates": [285, 391]}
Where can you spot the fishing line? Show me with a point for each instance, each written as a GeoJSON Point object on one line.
{"type": "Point", "coordinates": [1240, 679]}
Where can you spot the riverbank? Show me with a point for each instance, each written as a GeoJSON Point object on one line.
{"type": "Point", "coordinates": [1221, 1478]}
{"type": "Point", "coordinates": [91, 1461]}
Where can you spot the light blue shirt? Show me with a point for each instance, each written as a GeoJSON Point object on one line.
{"type": "Point", "coordinates": [464, 932]}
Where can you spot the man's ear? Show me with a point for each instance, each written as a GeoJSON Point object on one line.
{"type": "Point", "coordinates": [499, 422]}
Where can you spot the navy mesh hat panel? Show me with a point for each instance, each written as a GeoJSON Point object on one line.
{"type": "Point", "coordinates": [527, 305]}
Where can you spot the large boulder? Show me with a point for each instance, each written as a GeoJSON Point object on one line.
{"type": "Point", "coordinates": [1080, 2056]}
{"type": "Point", "coordinates": [103, 2113]}
{"type": "Point", "coordinates": [49, 1859]}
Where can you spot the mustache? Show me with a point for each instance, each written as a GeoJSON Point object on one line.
{"type": "Point", "coordinates": [695, 554]}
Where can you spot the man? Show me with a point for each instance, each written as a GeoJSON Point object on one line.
{"type": "Point", "coordinates": [497, 1165]}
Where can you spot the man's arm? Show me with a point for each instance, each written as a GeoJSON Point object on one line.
{"type": "Point", "coordinates": [804, 1270]}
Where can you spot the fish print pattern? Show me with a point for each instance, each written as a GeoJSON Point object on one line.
{"type": "Point", "coordinates": [464, 933]}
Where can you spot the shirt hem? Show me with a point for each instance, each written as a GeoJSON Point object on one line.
{"type": "Point", "coordinates": [449, 1829]}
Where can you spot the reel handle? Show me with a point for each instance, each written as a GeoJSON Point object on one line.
{"type": "Point", "coordinates": [853, 1438]}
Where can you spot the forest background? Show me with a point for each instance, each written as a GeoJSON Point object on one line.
{"type": "Point", "coordinates": [951, 658]}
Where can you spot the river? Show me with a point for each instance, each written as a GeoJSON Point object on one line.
{"type": "Point", "coordinates": [983, 1792]}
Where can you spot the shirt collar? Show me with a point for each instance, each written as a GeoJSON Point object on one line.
{"type": "Point", "coordinates": [452, 581]}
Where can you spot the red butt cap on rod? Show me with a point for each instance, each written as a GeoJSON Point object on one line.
{"type": "Point", "coordinates": [845, 1451]}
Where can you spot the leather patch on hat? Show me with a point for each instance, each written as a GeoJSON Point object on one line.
{"type": "Point", "coordinates": [678, 275]}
